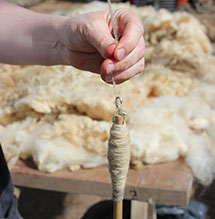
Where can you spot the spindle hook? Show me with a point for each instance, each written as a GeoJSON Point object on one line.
{"type": "Point", "coordinates": [120, 111]}
{"type": "Point", "coordinates": [116, 102]}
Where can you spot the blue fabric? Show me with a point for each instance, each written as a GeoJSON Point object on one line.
{"type": "Point", "coordinates": [8, 201]}
{"type": "Point", "coordinates": [195, 210]}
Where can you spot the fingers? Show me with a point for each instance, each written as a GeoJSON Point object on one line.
{"type": "Point", "coordinates": [96, 50]}
{"type": "Point", "coordinates": [110, 65]}
{"type": "Point", "coordinates": [99, 35]}
{"type": "Point", "coordinates": [131, 30]}
{"type": "Point", "coordinates": [128, 57]}
{"type": "Point", "coordinates": [85, 61]}
{"type": "Point", "coordinates": [128, 67]}
{"type": "Point", "coordinates": [122, 76]}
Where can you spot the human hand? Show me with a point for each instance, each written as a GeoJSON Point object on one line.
{"type": "Point", "coordinates": [89, 44]}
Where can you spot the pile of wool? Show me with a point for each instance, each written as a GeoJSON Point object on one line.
{"type": "Point", "coordinates": [37, 91]}
{"type": "Point", "coordinates": [178, 40]}
{"type": "Point", "coordinates": [69, 141]}
{"type": "Point", "coordinates": [42, 119]}
{"type": "Point", "coordinates": [97, 6]}
{"type": "Point", "coordinates": [173, 127]}
{"type": "Point", "coordinates": [205, 12]}
{"type": "Point", "coordinates": [61, 116]}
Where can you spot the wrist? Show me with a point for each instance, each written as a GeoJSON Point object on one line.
{"type": "Point", "coordinates": [37, 40]}
{"type": "Point", "coordinates": [65, 40]}
{"type": "Point", "coordinates": [53, 42]}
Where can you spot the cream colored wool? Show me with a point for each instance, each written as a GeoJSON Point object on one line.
{"type": "Point", "coordinates": [54, 90]}
{"type": "Point", "coordinates": [61, 116]}
{"type": "Point", "coordinates": [119, 159]}
{"type": "Point", "coordinates": [173, 127]}
{"type": "Point", "coordinates": [38, 91]}
{"type": "Point", "coordinates": [178, 41]}
{"type": "Point", "coordinates": [69, 141]}
{"type": "Point", "coordinates": [97, 6]}
{"type": "Point", "coordinates": [178, 26]}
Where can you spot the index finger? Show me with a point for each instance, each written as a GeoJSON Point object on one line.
{"type": "Point", "coordinates": [131, 30]}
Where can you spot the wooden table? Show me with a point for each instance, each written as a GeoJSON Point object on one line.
{"type": "Point", "coordinates": [168, 183]}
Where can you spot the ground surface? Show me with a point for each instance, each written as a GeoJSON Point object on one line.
{"type": "Point", "coordinates": [40, 204]}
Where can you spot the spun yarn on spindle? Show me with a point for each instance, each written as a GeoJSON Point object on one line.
{"type": "Point", "coordinates": [119, 158]}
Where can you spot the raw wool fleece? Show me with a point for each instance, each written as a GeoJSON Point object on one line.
{"type": "Point", "coordinates": [37, 91]}
{"type": "Point", "coordinates": [97, 6]}
{"type": "Point", "coordinates": [69, 141]}
{"type": "Point", "coordinates": [61, 116]}
{"type": "Point", "coordinates": [178, 40]}
{"type": "Point", "coordinates": [173, 127]}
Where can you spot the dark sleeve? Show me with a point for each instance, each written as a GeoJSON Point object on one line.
{"type": "Point", "coordinates": [8, 201]}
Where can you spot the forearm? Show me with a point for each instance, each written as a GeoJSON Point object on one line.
{"type": "Point", "coordinates": [27, 37]}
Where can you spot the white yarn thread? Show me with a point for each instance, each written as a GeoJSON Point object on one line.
{"type": "Point", "coordinates": [119, 158]}
{"type": "Point", "coordinates": [115, 32]}
{"type": "Point", "coordinates": [114, 25]}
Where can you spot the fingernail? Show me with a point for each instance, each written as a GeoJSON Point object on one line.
{"type": "Point", "coordinates": [110, 68]}
{"type": "Point", "coordinates": [120, 53]}
{"type": "Point", "coordinates": [108, 78]}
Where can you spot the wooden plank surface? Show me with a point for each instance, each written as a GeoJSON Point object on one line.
{"type": "Point", "coordinates": [168, 183]}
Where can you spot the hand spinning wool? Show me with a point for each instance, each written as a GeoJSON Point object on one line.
{"type": "Point", "coordinates": [58, 109]}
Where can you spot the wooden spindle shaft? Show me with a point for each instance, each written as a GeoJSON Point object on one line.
{"type": "Point", "coordinates": [118, 206]}
{"type": "Point", "coordinates": [118, 120]}
{"type": "Point", "coordinates": [117, 210]}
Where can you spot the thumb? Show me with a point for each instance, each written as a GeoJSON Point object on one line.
{"type": "Point", "coordinates": [103, 41]}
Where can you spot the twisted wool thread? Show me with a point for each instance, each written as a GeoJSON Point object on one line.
{"type": "Point", "coordinates": [115, 32]}
{"type": "Point", "coordinates": [119, 158]}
